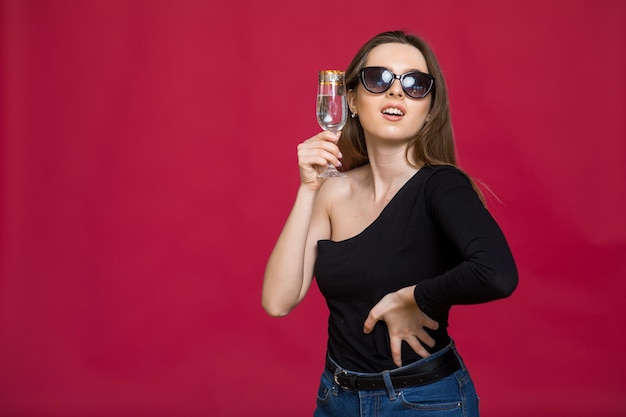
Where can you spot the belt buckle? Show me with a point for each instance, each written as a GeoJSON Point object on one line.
{"type": "Point", "coordinates": [340, 372]}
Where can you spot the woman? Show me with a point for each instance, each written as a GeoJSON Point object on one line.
{"type": "Point", "coordinates": [394, 245]}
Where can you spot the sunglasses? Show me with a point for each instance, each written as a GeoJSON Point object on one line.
{"type": "Point", "coordinates": [415, 84]}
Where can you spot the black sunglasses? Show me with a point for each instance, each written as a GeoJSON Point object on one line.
{"type": "Point", "coordinates": [415, 84]}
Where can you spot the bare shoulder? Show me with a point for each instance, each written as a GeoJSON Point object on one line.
{"type": "Point", "coordinates": [339, 196]}
{"type": "Point", "coordinates": [344, 203]}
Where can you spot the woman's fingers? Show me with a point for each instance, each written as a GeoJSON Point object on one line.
{"type": "Point", "coordinates": [396, 348]}
{"type": "Point", "coordinates": [405, 322]}
{"type": "Point", "coordinates": [314, 155]}
{"type": "Point", "coordinates": [310, 157]}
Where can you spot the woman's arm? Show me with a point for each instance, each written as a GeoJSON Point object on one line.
{"type": "Point", "coordinates": [289, 270]}
{"type": "Point", "coordinates": [487, 271]}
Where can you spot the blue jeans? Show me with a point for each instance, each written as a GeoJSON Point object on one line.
{"type": "Point", "coordinates": [450, 397]}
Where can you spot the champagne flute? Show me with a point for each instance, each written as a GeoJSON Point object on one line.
{"type": "Point", "coordinates": [332, 108]}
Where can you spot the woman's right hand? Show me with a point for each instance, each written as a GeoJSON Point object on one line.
{"type": "Point", "coordinates": [314, 155]}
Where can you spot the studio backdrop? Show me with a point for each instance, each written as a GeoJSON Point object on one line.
{"type": "Point", "coordinates": [148, 163]}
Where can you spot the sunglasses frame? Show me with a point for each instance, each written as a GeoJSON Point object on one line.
{"type": "Point", "coordinates": [398, 77]}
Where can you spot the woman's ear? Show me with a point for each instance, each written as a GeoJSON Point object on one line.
{"type": "Point", "coordinates": [352, 101]}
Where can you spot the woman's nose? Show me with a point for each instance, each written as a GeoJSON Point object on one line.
{"type": "Point", "coordinates": [396, 88]}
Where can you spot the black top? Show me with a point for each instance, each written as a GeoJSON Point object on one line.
{"type": "Point", "coordinates": [435, 233]}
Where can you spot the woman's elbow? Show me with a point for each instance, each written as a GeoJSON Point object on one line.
{"type": "Point", "coordinates": [506, 284]}
{"type": "Point", "coordinates": [274, 308]}
{"type": "Point", "coordinates": [275, 311]}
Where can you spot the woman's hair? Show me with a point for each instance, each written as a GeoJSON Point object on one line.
{"type": "Point", "coordinates": [434, 143]}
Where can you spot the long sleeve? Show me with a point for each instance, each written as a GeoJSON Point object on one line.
{"type": "Point", "coordinates": [487, 271]}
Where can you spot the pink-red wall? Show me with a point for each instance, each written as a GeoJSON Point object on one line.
{"type": "Point", "coordinates": [147, 163]}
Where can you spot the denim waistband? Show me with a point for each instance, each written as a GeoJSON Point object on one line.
{"type": "Point", "coordinates": [425, 371]}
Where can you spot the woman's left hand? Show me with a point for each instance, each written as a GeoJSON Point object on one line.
{"type": "Point", "coordinates": [405, 322]}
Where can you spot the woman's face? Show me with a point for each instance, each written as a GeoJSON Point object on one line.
{"type": "Point", "coordinates": [391, 115]}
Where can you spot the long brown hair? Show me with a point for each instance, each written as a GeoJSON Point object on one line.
{"type": "Point", "coordinates": [434, 143]}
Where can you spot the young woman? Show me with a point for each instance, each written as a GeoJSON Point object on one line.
{"type": "Point", "coordinates": [394, 245]}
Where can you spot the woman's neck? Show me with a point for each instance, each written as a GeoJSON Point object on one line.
{"type": "Point", "coordinates": [389, 170]}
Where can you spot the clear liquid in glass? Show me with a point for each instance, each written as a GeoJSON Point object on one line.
{"type": "Point", "coordinates": [331, 112]}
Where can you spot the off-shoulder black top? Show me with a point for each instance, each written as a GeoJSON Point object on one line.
{"type": "Point", "coordinates": [436, 233]}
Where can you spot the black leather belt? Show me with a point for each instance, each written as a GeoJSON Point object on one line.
{"type": "Point", "coordinates": [426, 373]}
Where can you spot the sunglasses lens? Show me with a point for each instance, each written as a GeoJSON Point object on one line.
{"type": "Point", "coordinates": [416, 84]}
{"type": "Point", "coordinates": [376, 79]}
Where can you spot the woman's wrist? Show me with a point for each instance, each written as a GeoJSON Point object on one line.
{"type": "Point", "coordinates": [306, 192]}
{"type": "Point", "coordinates": [407, 294]}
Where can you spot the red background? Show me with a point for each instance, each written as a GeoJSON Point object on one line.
{"type": "Point", "coordinates": [147, 164]}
